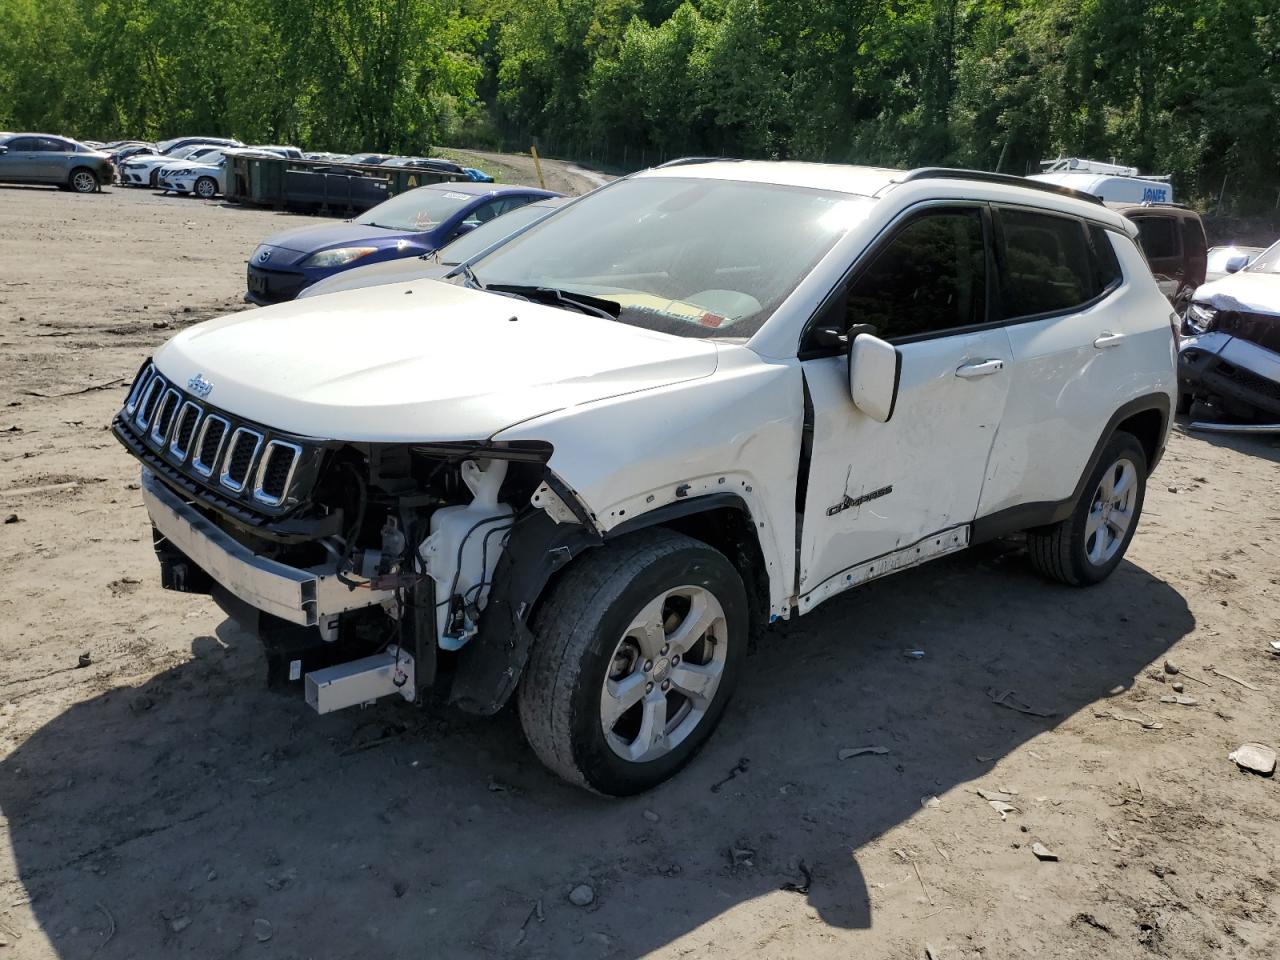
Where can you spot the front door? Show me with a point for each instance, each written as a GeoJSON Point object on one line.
{"type": "Point", "coordinates": [18, 163]}
{"type": "Point", "coordinates": [882, 496]}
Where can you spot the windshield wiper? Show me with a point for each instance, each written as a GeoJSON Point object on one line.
{"type": "Point", "coordinates": [584, 302]}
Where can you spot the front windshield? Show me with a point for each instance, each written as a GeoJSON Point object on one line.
{"type": "Point", "coordinates": [691, 256]}
{"type": "Point", "coordinates": [1266, 262]}
{"type": "Point", "coordinates": [419, 210]}
{"type": "Point", "coordinates": [487, 234]}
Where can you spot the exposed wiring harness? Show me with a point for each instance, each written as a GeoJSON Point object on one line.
{"type": "Point", "coordinates": [349, 547]}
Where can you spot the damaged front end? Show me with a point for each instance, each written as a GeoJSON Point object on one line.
{"type": "Point", "coordinates": [1230, 358]}
{"type": "Point", "coordinates": [367, 569]}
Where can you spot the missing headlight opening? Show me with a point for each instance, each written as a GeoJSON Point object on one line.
{"type": "Point", "coordinates": [383, 554]}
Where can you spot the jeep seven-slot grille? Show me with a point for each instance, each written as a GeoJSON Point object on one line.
{"type": "Point", "coordinates": [237, 460]}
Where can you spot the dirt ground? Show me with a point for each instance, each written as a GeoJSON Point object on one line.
{"type": "Point", "coordinates": [557, 175]}
{"type": "Point", "coordinates": [158, 801]}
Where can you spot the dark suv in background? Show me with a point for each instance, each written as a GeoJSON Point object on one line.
{"type": "Point", "coordinates": [1172, 239]}
{"type": "Point", "coordinates": [57, 161]}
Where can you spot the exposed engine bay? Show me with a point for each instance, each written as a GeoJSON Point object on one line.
{"type": "Point", "coordinates": [392, 550]}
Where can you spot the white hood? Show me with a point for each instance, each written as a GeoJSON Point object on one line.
{"type": "Point", "coordinates": [1243, 292]}
{"type": "Point", "coordinates": [420, 361]}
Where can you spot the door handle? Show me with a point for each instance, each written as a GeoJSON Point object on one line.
{"type": "Point", "coordinates": [1108, 339]}
{"type": "Point", "coordinates": [981, 368]}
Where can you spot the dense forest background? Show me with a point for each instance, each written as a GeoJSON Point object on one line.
{"type": "Point", "coordinates": [1190, 88]}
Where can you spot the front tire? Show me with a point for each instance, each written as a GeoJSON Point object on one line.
{"type": "Point", "coordinates": [206, 188]}
{"type": "Point", "coordinates": [1086, 547]}
{"type": "Point", "coordinates": [83, 180]}
{"type": "Point", "coordinates": [638, 652]}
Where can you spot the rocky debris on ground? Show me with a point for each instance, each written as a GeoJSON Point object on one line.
{"type": "Point", "coordinates": [582, 895]}
{"type": "Point", "coordinates": [1255, 757]}
{"type": "Point", "coordinates": [850, 752]}
{"type": "Point", "coordinates": [1042, 852]}
{"type": "Point", "coordinates": [262, 930]}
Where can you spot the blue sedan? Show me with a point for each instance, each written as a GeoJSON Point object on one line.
{"type": "Point", "coordinates": [410, 224]}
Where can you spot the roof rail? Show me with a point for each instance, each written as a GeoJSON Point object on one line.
{"type": "Point", "coordinates": [985, 176]}
{"type": "Point", "coordinates": [685, 161]}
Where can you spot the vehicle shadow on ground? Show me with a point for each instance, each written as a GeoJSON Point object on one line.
{"type": "Point", "coordinates": [201, 813]}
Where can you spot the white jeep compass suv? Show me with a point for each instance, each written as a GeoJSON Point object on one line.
{"type": "Point", "coordinates": [700, 399]}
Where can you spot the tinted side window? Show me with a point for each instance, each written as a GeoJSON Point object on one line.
{"type": "Point", "coordinates": [25, 144]}
{"type": "Point", "coordinates": [1047, 267]}
{"type": "Point", "coordinates": [49, 145]}
{"type": "Point", "coordinates": [1158, 237]}
{"type": "Point", "coordinates": [1193, 241]}
{"type": "Point", "coordinates": [1106, 265]}
{"type": "Point", "coordinates": [932, 276]}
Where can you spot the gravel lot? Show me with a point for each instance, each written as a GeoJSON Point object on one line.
{"type": "Point", "coordinates": [159, 802]}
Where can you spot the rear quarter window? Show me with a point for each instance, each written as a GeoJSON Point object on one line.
{"type": "Point", "coordinates": [1106, 264]}
{"type": "Point", "coordinates": [1047, 267]}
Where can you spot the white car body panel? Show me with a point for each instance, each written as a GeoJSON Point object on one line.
{"type": "Point", "coordinates": [875, 487]}
{"type": "Point", "coordinates": [1064, 389]}
{"type": "Point", "coordinates": [737, 431]}
{"type": "Point", "coordinates": [1244, 291]}
{"type": "Point", "coordinates": [421, 361]}
{"type": "Point", "coordinates": [403, 270]}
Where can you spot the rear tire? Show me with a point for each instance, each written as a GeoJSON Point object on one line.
{"type": "Point", "coordinates": [1185, 400]}
{"type": "Point", "coordinates": [83, 180]}
{"type": "Point", "coordinates": [206, 188]}
{"type": "Point", "coordinates": [629, 628]}
{"type": "Point", "coordinates": [154, 178]}
{"type": "Point", "coordinates": [1087, 546]}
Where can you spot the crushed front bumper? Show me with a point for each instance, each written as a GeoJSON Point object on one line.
{"type": "Point", "coordinates": [1218, 364]}
{"type": "Point", "coordinates": [308, 597]}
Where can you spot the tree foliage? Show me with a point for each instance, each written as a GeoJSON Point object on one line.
{"type": "Point", "coordinates": [1190, 87]}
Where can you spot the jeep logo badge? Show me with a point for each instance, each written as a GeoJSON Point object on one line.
{"type": "Point", "coordinates": [200, 386]}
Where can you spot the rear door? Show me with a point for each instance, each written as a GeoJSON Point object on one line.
{"type": "Point", "coordinates": [881, 496]}
{"type": "Point", "coordinates": [53, 161]}
{"type": "Point", "coordinates": [1062, 291]}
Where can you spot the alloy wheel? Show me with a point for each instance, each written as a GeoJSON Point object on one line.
{"type": "Point", "coordinates": [664, 673]}
{"type": "Point", "coordinates": [1111, 511]}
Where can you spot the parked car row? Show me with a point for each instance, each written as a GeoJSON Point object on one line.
{"type": "Point", "coordinates": [193, 165]}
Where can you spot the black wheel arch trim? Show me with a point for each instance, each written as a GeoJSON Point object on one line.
{"type": "Point", "coordinates": [1025, 516]}
{"type": "Point", "coordinates": [489, 667]}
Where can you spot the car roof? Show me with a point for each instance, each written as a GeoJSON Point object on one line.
{"type": "Point", "coordinates": [842, 178]}
{"type": "Point", "coordinates": [879, 182]}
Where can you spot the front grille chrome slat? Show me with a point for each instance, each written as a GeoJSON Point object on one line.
{"type": "Point", "coordinates": [139, 385]}
{"type": "Point", "coordinates": [185, 424]}
{"type": "Point", "coordinates": [163, 419]}
{"type": "Point", "coordinates": [208, 444]}
{"type": "Point", "coordinates": [237, 462]}
{"type": "Point", "coordinates": [275, 472]}
{"type": "Point", "coordinates": [150, 397]}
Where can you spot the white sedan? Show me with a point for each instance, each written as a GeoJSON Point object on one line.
{"type": "Point", "coordinates": [144, 170]}
{"type": "Point", "coordinates": [207, 176]}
